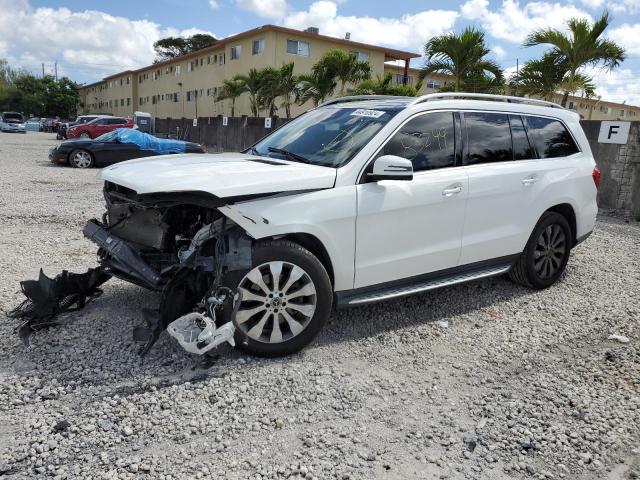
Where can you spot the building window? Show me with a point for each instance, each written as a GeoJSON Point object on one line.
{"type": "Point", "coordinates": [296, 47]}
{"type": "Point", "coordinates": [208, 59]}
{"type": "Point", "coordinates": [622, 113]}
{"type": "Point", "coordinates": [221, 59]}
{"type": "Point", "coordinates": [177, 69]}
{"type": "Point", "coordinates": [128, 79]}
{"type": "Point", "coordinates": [258, 46]}
{"type": "Point", "coordinates": [128, 101]}
{"type": "Point", "coordinates": [190, 67]}
{"type": "Point", "coordinates": [120, 82]}
{"type": "Point", "coordinates": [362, 56]}
{"type": "Point", "coordinates": [434, 84]}
{"type": "Point", "coordinates": [189, 96]}
{"type": "Point", "coordinates": [122, 102]}
{"type": "Point", "coordinates": [235, 52]}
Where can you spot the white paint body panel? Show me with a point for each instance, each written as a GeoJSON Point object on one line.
{"type": "Point", "coordinates": [407, 228]}
{"type": "Point", "coordinates": [223, 175]}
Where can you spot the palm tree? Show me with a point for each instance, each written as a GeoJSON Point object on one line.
{"type": "Point", "coordinates": [343, 67]}
{"type": "Point", "coordinates": [461, 56]}
{"type": "Point", "coordinates": [314, 88]}
{"type": "Point", "coordinates": [232, 89]}
{"type": "Point", "coordinates": [582, 47]}
{"type": "Point", "coordinates": [385, 86]}
{"type": "Point", "coordinates": [252, 83]}
{"type": "Point", "coordinates": [544, 77]}
{"type": "Point", "coordinates": [269, 89]}
{"type": "Point", "coordinates": [288, 87]}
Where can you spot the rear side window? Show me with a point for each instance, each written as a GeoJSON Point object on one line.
{"type": "Point", "coordinates": [488, 137]}
{"type": "Point", "coordinates": [427, 140]}
{"type": "Point", "coordinates": [116, 121]}
{"type": "Point", "coordinates": [521, 147]}
{"type": "Point", "coordinates": [550, 137]}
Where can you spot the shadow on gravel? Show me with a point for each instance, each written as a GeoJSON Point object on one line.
{"type": "Point", "coordinates": [437, 305]}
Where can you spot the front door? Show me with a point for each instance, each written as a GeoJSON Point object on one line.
{"type": "Point", "coordinates": [408, 228]}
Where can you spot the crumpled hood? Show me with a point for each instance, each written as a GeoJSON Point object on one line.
{"type": "Point", "coordinates": [223, 175]}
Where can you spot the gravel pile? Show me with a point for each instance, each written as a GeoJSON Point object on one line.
{"type": "Point", "coordinates": [482, 381]}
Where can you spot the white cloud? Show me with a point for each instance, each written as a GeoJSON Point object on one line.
{"type": "Point", "coordinates": [620, 85]}
{"type": "Point", "coordinates": [499, 52]}
{"type": "Point", "coordinates": [513, 23]}
{"type": "Point", "coordinates": [214, 4]}
{"type": "Point", "coordinates": [624, 6]}
{"type": "Point", "coordinates": [264, 8]}
{"type": "Point", "coordinates": [409, 31]}
{"type": "Point", "coordinates": [592, 3]}
{"type": "Point", "coordinates": [628, 36]}
{"type": "Point", "coordinates": [88, 43]}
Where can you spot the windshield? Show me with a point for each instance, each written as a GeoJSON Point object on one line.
{"type": "Point", "coordinates": [325, 136]}
{"type": "Point", "coordinates": [108, 137]}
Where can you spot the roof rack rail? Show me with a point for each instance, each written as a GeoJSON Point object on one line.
{"type": "Point", "coordinates": [483, 96]}
{"type": "Point", "coordinates": [355, 98]}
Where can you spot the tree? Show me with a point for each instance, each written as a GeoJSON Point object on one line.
{"type": "Point", "coordinates": [269, 89]}
{"type": "Point", "coordinates": [341, 66]}
{"type": "Point", "coordinates": [232, 89]}
{"type": "Point", "coordinates": [172, 47]}
{"type": "Point", "coordinates": [288, 87]}
{"type": "Point", "coordinates": [315, 88]}
{"type": "Point", "coordinates": [463, 57]}
{"type": "Point", "coordinates": [583, 46]}
{"type": "Point", "coordinates": [384, 86]}
{"type": "Point", "coordinates": [252, 83]}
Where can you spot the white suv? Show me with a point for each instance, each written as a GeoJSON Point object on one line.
{"type": "Point", "coordinates": [360, 200]}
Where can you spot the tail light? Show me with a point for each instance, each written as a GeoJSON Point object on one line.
{"type": "Point", "coordinates": [596, 176]}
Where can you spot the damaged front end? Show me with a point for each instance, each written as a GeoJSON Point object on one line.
{"type": "Point", "coordinates": [178, 244]}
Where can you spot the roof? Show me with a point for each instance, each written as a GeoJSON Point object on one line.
{"type": "Point", "coordinates": [389, 52]}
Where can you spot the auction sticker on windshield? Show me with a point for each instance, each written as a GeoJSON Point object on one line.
{"type": "Point", "coordinates": [367, 113]}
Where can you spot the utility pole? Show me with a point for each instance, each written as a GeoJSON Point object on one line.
{"type": "Point", "coordinates": [517, 66]}
{"type": "Point", "coordinates": [43, 70]}
{"type": "Point", "coordinates": [56, 70]}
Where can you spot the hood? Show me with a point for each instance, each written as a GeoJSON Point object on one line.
{"type": "Point", "coordinates": [223, 175]}
{"type": "Point", "coordinates": [80, 143]}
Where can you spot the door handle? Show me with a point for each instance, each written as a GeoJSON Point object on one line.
{"type": "Point", "coordinates": [447, 192]}
{"type": "Point", "coordinates": [528, 181]}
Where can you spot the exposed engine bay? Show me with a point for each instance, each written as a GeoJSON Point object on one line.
{"type": "Point", "coordinates": [178, 244]}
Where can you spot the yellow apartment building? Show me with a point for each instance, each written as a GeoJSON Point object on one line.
{"type": "Point", "coordinates": [189, 86]}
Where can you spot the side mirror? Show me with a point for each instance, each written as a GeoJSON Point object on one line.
{"type": "Point", "coordinates": [391, 167]}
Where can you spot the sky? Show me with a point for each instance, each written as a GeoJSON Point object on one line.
{"type": "Point", "coordinates": [90, 39]}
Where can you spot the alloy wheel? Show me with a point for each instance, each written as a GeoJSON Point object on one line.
{"type": "Point", "coordinates": [550, 251]}
{"type": "Point", "coordinates": [82, 159]}
{"type": "Point", "coordinates": [278, 302]}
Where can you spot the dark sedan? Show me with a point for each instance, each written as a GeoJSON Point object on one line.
{"type": "Point", "coordinates": [117, 146]}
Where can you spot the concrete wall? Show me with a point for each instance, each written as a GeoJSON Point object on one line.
{"type": "Point", "coordinates": [240, 133]}
{"type": "Point", "coordinates": [620, 169]}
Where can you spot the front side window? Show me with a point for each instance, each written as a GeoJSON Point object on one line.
{"type": "Point", "coordinates": [550, 137]}
{"type": "Point", "coordinates": [488, 137]}
{"type": "Point", "coordinates": [258, 46]}
{"type": "Point", "coordinates": [427, 140]}
{"type": "Point", "coordinates": [521, 147]}
{"type": "Point", "coordinates": [296, 47]}
{"type": "Point", "coordinates": [326, 136]}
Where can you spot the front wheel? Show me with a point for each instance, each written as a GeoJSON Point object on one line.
{"type": "Point", "coordinates": [81, 159]}
{"type": "Point", "coordinates": [546, 253]}
{"type": "Point", "coordinates": [286, 300]}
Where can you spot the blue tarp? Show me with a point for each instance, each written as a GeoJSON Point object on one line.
{"type": "Point", "coordinates": [144, 140]}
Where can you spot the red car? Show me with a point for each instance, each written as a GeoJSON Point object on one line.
{"type": "Point", "coordinates": [99, 126]}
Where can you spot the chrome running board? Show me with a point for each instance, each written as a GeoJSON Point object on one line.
{"type": "Point", "coordinates": [353, 299]}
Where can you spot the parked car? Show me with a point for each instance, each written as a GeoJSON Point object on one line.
{"type": "Point", "coordinates": [12, 122]}
{"type": "Point", "coordinates": [80, 120]}
{"type": "Point", "coordinates": [32, 124]}
{"type": "Point", "coordinates": [360, 200]}
{"type": "Point", "coordinates": [98, 126]}
{"type": "Point", "coordinates": [117, 146]}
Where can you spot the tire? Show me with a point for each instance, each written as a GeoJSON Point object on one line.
{"type": "Point", "coordinates": [546, 254]}
{"type": "Point", "coordinates": [297, 326]}
{"type": "Point", "coordinates": [81, 159]}
{"type": "Point", "coordinates": [84, 136]}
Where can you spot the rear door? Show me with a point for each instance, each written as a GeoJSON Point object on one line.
{"type": "Point", "coordinates": [505, 182]}
{"type": "Point", "coordinates": [408, 228]}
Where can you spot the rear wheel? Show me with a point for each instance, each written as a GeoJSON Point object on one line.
{"type": "Point", "coordinates": [286, 300]}
{"type": "Point", "coordinates": [546, 253]}
{"type": "Point", "coordinates": [81, 159]}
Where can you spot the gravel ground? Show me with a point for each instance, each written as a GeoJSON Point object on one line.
{"type": "Point", "coordinates": [486, 380]}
